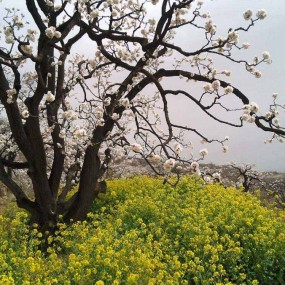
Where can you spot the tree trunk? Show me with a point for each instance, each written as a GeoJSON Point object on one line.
{"type": "Point", "coordinates": [89, 186]}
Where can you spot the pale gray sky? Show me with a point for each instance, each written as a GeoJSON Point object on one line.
{"type": "Point", "coordinates": [246, 144]}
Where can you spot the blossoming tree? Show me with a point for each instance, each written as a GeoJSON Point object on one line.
{"type": "Point", "coordinates": [70, 114]}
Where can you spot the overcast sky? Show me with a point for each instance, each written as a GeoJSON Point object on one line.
{"type": "Point", "coordinates": [246, 144]}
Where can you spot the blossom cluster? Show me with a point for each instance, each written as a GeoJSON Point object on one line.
{"type": "Point", "coordinates": [215, 86]}
{"type": "Point", "coordinates": [11, 95]}
{"type": "Point", "coordinates": [249, 112]}
{"type": "Point", "coordinates": [51, 33]}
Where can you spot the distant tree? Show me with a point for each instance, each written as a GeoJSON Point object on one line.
{"type": "Point", "coordinates": [247, 176]}
{"type": "Point", "coordinates": [69, 113]}
{"type": "Point", "coordinates": [276, 191]}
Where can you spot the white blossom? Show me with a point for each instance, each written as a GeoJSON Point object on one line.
{"type": "Point", "coordinates": [233, 36]}
{"type": "Point", "coordinates": [207, 87]}
{"type": "Point", "coordinates": [62, 133]}
{"type": "Point", "coordinates": [268, 115]}
{"type": "Point", "coordinates": [266, 55]}
{"type": "Point", "coordinates": [69, 115]}
{"type": "Point", "coordinates": [169, 164]}
{"type": "Point", "coordinates": [125, 102]}
{"type": "Point", "coordinates": [227, 72]}
{"type": "Point", "coordinates": [275, 111]}
{"type": "Point", "coordinates": [276, 122]}
{"type": "Point", "coordinates": [203, 152]}
{"type": "Point", "coordinates": [99, 112]}
{"type": "Point", "coordinates": [9, 40]}
{"type": "Point", "coordinates": [11, 92]}
{"type": "Point", "coordinates": [194, 165]}
{"type": "Point", "coordinates": [251, 119]}
{"type": "Point", "coordinates": [18, 22]}
{"type": "Point", "coordinates": [207, 179]}
{"type": "Point", "coordinates": [50, 97]}
{"type": "Point", "coordinates": [177, 147]}
{"type": "Point", "coordinates": [50, 32]}
{"type": "Point", "coordinates": [56, 7]}
{"type": "Point", "coordinates": [10, 95]}
{"type": "Point", "coordinates": [79, 133]}
{"type": "Point", "coordinates": [229, 89]}
{"type": "Point", "coordinates": [246, 108]}
{"type": "Point", "coordinates": [58, 145]}
{"type": "Point", "coordinates": [245, 117]}
{"type": "Point", "coordinates": [136, 147]}
{"type": "Point", "coordinates": [31, 35]}
{"type": "Point", "coordinates": [115, 116]}
{"type": "Point", "coordinates": [9, 100]}
{"type": "Point", "coordinates": [100, 122]}
{"type": "Point", "coordinates": [254, 107]}
{"type": "Point", "coordinates": [261, 14]}
{"type": "Point", "coordinates": [225, 148]}
{"type": "Point", "coordinates": [195, 168]}
{"type": "Point", "coordinates": [257, 73]}
{"type": "Point", "coordinates": [107, 101]}
{"type": "Point", "coordinates": [8, 31]}
{"type": "Point", "coordinates": [210, 27]}
{"type": "Point", "coordinates": [50, 3]}
{"type": "Point", "coordinates": [155, 158]}
{"type": "Point", "coordinates": [94, 14]}
{"type": "Point", "coordinates": [154, 2]}
{"type": "Point", "coordinates": [57, 34]}
{"type": "Point", "coordinates": [25, 114]}
{"type": "Point", "coordinates": [245, 45]}
{"type": "Point", "coordinates": [275, 95]}
{"type": "Point", "coordinates": [217, 176]}
{"type": "Point", "coordinates": [216, 84]}
{"type": "Point", "coordinates": [247, 14]}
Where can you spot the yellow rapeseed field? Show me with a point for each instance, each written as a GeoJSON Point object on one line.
{"type": "Point", "coordinates": [144, 232]}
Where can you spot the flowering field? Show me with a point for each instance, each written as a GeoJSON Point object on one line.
{"type": "Point", "coordinates": [143, 232]}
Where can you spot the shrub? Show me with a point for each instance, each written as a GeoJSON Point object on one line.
{"type": "Point", "coordinates": [143, 232]}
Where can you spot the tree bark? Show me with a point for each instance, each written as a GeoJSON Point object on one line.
{"type": "Point", "coordinates": [89, 186]}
